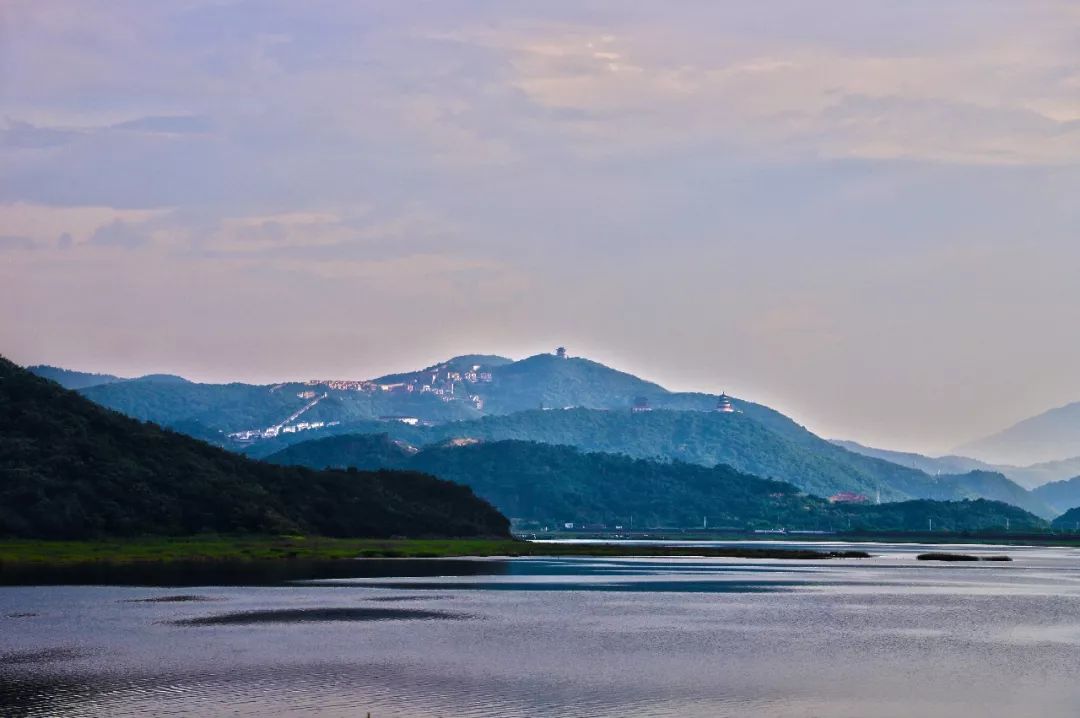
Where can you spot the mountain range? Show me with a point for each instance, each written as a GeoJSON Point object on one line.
{"type": "Point", "coordinates": [1029, 477]}
{"type": "Point", "coordinates": [541, 485]}
{"type": "Point", "coordinates": [553, 399]}
{"type": "Point", "coordinates": [1050, 436]}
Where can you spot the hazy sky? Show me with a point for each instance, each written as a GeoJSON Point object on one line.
{"type": "Point", "coordinates": [866, 214]}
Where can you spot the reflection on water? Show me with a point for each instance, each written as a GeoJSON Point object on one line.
{"type": "Point", "coordinates": [236, 573]}
{"type": "Point", "coordinates": [887, 636]}
{"type": "Point", "coordinates": [309, 615]}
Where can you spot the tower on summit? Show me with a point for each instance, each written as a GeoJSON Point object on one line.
{"type": "Point", "coordinates": [561, 352]}
{"type": "Point", "coordinates": [723, 404]}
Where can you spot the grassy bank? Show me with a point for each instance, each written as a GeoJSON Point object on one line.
{"type": "Point", "coordinates": [283, 548]}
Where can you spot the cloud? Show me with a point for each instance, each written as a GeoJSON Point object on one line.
{"type": "Point", "coordinates": [24, 135]}
{"type": "Point", "coordinates": [118, 233]}
{"type": "Point", "coordinates": [705, 184]}
{"type": "Point", "coordinates": [165, 125]}
{"type": "Point", "coordinates": [72, 225]}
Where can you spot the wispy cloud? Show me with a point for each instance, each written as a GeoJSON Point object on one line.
{"type": "Point", "coordinates": [740, 192]}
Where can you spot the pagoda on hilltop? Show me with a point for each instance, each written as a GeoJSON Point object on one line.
{"type": "Point", "coordinates": [723, 405]}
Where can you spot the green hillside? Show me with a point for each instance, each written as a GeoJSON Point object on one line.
{"type": "Point", "coordinates": [71, 469]}
{"type": "Point", "coordinates": [459, 364]}
{"type": "Point", "coordinates": [216, 409]}
{"type": "Point", "coordinates": [546, 380]}
{"type": "Point", "coordinates": [491, 397]}
{"type": "Point", "coordinates": [708, 438]}
{"type": "Point", "coordinates": [540, 484]}
{"type": "Point", "coordinates": [1069, 521]}
{"type": "Point", "coordinates": [995, 486]}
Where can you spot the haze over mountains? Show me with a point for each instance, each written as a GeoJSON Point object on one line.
{"type": "Point", "coordinates": [1050, 436]}
{"type": "Point", "coordinates": [561, 400]}
{"type": "Point", "coordinates": [1027, 476]}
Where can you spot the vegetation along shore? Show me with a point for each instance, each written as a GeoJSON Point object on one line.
{"type": "Point", "coordinates": [283, 548]}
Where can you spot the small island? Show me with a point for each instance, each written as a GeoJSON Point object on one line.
{"type": "Point", "coordinates": [942, 556]}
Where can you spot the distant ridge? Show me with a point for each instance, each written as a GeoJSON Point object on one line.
{"type": "Point", "coordinates": [498, 398]}
{"type": "Point", "coordinates": [1060, 495]}
{"type": "Point", "coordinates": [1053, 435]}
{"type": "Point", "coordinates": [546, 485]}
{"type": "Point", "coordinates": [710, 438]}
{"type": "Point", "coordinates": [70, 379]}
{"type": "Point", "coordinates": [1029, 477]}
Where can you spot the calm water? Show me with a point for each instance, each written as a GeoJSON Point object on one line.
{"type": "Point", "coordinates": [886, 636]}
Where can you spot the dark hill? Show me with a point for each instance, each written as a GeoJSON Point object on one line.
{"type": "Point", "coordinates": [71, 469]}
{"type": "Point", "coordinates": [551, 485]}
{"type": "Point", "coordinates": [1068, 522]}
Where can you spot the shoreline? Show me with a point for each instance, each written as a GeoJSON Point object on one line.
{"type": "Point", "coordinates": [19, 553]}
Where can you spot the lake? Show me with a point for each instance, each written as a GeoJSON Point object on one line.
{"type": "Point", "coordinates": [886, 636]}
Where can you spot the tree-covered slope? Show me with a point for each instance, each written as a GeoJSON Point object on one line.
{"type": "Point", "coordinates": [460, 364]}
{"type": "Point", "coordinates": [69, 468]}
{"type": "Point", "coordinates": [208, 409]}
{"type": "Point", "coordinates": [1069, 521]}
{"type": "Point", "coordinates": [550, 381]}
{"type": "Point", "coordinates": [709, 438]}
{"type": "Point", "coordinates": [501, 400]}
{"type": "Point", "coordinates": [996, 487]}
{"type": "Point", "coordinates": [541, 380]}
{"type": "Point", "coordinates": [737, 440]}
{"type": "Point", "coordinates": [552, 485]}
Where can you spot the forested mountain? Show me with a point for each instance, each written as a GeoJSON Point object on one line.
{"type": "Point", "coordinates": [219, 409]}
{"type": "Point", "coordinates": [546, 380]}
{"type": "Point", "coordinates": [459, 364]}
{"type": "Point", "coordinates": [69, 468]}
{"type": "Point", "coordinates": [495, 398]}
{"type": "Point", "coordinates": [709, 438]}
{"type": "Point", "coordinates": [72, 379]}
{"type": "Point", "coordinates": [461, 388]}
{"type": "Point", "coordinates": [540, 484]}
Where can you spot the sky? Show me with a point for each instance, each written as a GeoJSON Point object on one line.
{"type": "Point", "coordinates": [863, 214]}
